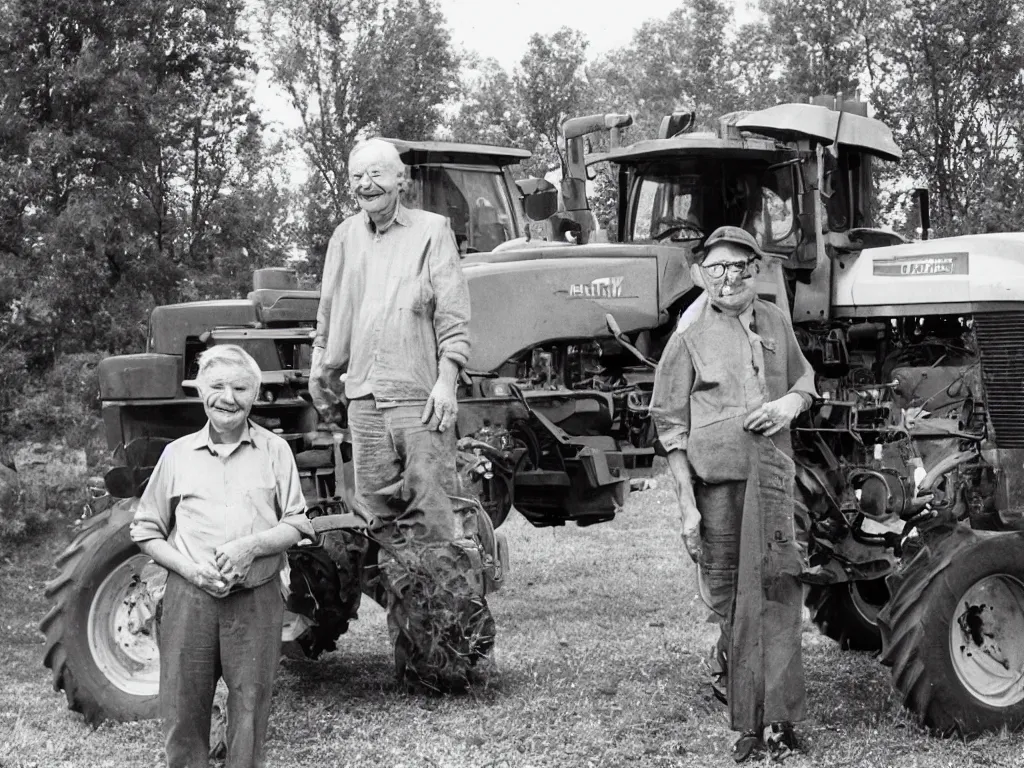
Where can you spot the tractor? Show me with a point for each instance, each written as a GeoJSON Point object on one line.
{"type": "Point", "coordinates": [906, 466]}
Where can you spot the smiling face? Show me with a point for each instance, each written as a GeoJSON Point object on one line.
{"type": "Point", "coordinates": [727, 274]}
{"type": "Point", "coordinates": [228, 391]}
{"type": "Point", "coordinates": [376, 179]}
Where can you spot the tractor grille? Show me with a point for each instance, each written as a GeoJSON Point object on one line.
{"type": "Point", "coordinates": [1000, 337]}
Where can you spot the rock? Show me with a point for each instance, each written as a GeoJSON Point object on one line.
{"type": "Point", "coordinates": [52, 476]}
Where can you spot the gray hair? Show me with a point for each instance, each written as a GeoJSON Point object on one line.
{"type": "Point", "coordinates": [389, 150]}
{"type": "Point", "coordinates": [231, 355]}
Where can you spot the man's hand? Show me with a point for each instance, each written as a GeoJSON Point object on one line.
{"type": "Point", "coordinates": [234, 560]}
{"type": "Point", "coordinates": [775, 416]}
{"type": "Point", "coordinates": [442, 406]}
{"type": "Point", "coordinates": [691, 531]}
{"type": "Point", "coordinates": [327, 402]}
{"type": "Point", "coordinates": [208, 578]}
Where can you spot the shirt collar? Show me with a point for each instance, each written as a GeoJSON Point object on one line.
{"type": "Point", "coordinates": [401, 217]}
{"type": "Point", "coordinates": [203, 439]}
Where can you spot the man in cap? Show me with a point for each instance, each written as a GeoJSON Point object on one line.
{"type": "Point", "coordinates": [729, 384]}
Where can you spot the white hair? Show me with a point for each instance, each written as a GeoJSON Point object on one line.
{"type": "Point", "coordinates": [391, 154]}
{"type": "Point", "coordinates": [230, 355]}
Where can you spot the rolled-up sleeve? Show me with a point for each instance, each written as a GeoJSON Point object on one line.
{"type": "Point", "coordinates": [329, 287]}
{"type": "Point", "coordinates": [451, 295]}
{"type": "Point", "coordinates": [154, 515]}
{"type": "Point", "coordinates": [289, 492]}
{"type": "Point", "coordinates": [670, 402]}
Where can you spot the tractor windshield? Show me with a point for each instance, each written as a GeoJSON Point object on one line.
{"type": "Point", "coordinates": [683, 202]}
{"type": "Point", "coordinates": [473, 198]}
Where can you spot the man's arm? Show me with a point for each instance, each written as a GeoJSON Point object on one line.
{"type": "Point", "coordinates": [152, 525]}
{"type": "Point", "coordinates": [670, 409]}
{"type": "Point", "coordinates": [328, 402]}
{"type": "Point", "coordinates": [329, 285]}
{"type": "Point", "coordinates": [236, 557]}
{"type": "Point", "coordinates": [451, 326]}
{"type": "Point", "coordinates": [777, 415]}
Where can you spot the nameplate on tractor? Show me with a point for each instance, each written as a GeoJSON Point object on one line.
{"type": "Point", "coordinates": [922, 266]}
{"type": "Point", "coordinates": [602, 288]}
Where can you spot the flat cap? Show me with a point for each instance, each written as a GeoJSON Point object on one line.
{"type": "Point", "coordinates": [733, 235]}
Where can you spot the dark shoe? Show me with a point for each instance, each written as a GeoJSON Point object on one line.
{"type": "Point", "coordinates": [781, 741]}
{"type": "Point", "coordinates": [747, 746]}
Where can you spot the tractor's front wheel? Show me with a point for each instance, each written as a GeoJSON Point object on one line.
{"type": "Point", "coordinates": [101, 628]}
{"type": "Point", "coordinates": [954, 633]}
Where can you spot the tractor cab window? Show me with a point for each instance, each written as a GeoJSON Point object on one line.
{"type": "Point", "coordinates": [669, 209]}
{"type": "Point", "coordinates": [473, 198]}
{"type": "Point", "coordinates": [774, 224]}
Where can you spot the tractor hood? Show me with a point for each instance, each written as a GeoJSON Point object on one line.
{"type": "Point", "coordinates": [525, 298]}
{"type": "Point", "coordinates": [955, 274]}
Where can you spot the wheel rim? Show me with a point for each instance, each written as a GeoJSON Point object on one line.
{"type": "Point", "coordinates": [122, 626]}
{"type": "Point", "coordinates": [987, 640]}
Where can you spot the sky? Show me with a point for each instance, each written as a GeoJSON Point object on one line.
{"type": "Point", "coordinates": [501, 29]}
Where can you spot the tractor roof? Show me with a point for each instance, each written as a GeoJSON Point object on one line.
{"type": "Point", "coordinates": [824, 124]}
{"type": "Point", "coordinates": [697, 144]}
{"type": "Point", "coordinates": [420, 152]}
{"type": "Point", "coordinates": [758, 135]}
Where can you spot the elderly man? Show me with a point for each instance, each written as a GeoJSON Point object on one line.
{"type": "Point", "coordinates": [392, 336]}
{"type": "Point", "coordinates": [220, 509]}
{"type": "Point", "coordinates": [730, 382]}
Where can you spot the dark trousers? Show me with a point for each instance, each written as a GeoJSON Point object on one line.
{"type": "Point", "coordinates": [404, 471]}
{"type": "Point", "coordinates": [203, 638]}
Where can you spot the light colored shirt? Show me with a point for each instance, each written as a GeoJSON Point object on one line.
{"type": "Point", "coordinates": [392, 304]}
{"type": "Point", "coordinates": [715, 370]}
{"type": "Point", "coordinates": [198, 500]}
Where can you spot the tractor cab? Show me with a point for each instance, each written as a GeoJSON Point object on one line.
{"type": "Point", "coordinates": [471, 185]}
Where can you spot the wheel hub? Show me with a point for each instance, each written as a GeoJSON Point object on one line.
{"type": "Point", "coordinates": [122, 626]}
{"type": "Point", "coordinates": [987, 640]}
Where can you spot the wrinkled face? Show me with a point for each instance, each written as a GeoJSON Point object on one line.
{"type": "Point", "coordinates": [228, 392]}
{"type": "Point", "coordinates": [727, 274]}
{"type": "Point", "coordinates": [375, 180]}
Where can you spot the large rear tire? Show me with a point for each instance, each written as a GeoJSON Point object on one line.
{"type": "Point", "coordinates": [848, 612]}
{"type": "Point", "coordinates": [100, 631]}
{"type": "Point", "coordinates": [954, 633]}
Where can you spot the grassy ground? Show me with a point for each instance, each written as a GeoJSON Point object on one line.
{"type": "Point", "coordinates": [600, 644]}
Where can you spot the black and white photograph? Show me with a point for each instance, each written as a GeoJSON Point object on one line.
{"type": "Point", "coordinates": [526, 384]}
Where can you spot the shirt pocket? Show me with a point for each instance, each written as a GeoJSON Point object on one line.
{"type": "Point", "coordinates": [415, 295]}
{"type": "Point", "coordinates": [261, 510]}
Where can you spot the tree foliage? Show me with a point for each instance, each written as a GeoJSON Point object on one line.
{"type": "Point", "coordinates": [551, 84]}
{"type": "Point", "coordinates": [354, 68]}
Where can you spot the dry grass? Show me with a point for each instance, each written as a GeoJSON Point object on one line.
{"type": "Point", "coordinates": [600, 644]}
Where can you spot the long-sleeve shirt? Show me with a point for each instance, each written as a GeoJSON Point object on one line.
{"type": "Point", "coordinates": [393, 303]}
{"type": "Point", "coordinates": [198, 500]}
{"type": "Point", "coordinates": [715, 370]}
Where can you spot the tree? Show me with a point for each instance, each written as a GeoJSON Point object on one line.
{"type": "Point", "coordinates": [551, 85]}
{"type": "Point", "coordinates": [486, 108]}
{"type": "Point", "coordinates": [950, 83]}
{"type": "Point", "coordinates": [121, 123]}
{"type": "Point", "coordinates": [354, 68]}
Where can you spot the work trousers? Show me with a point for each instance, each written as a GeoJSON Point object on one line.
{"type": "Point", "coordinates": [203, 638]}
{"type": "Point", "coordinates": [721, 508]}
{"type": "Point", "coordinates": [404, 471]}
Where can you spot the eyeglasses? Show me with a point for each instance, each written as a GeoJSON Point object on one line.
{"type": "Point", "coordinates": [718, 270]}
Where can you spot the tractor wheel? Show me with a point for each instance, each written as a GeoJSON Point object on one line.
{"type": "Point", "coordinates": [848, 612]}
{"type": "Point", "coordinates": [954, 633]}
{"type": "Point", "coordinates": [100, 631]}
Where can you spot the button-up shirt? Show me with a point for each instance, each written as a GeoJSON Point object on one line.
{"type": "Point", "coordinates": [198, 500]}
{"type": "Point", "coordinates": [718, 368]}
{"type": "Point", "coordinates": [393, 302]}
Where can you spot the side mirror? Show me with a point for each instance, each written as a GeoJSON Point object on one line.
{"type": "Point", "coordinates": [540, 198]}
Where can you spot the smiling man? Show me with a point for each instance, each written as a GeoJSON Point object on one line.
{"type": "Point", "coordinates": [392, 336]}
{"type": "Point", "coordinates": [729, 384]}
{"type": "Point", "coordinates": [220, 509]}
